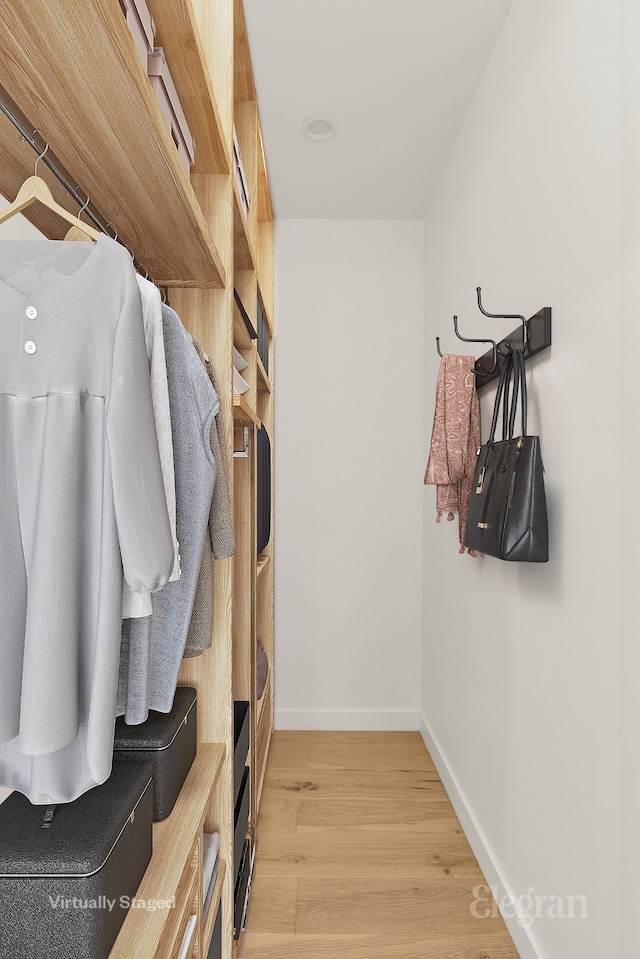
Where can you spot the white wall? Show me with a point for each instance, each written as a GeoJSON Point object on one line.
{"type": "Point", "coordinates": [349, 464]}
{"type": "Point", "coordinates": [630, 839]}
{"type": "Point", "coordinates": [522, 668]}
{"type": "Point", "coordinates": [18, 227]}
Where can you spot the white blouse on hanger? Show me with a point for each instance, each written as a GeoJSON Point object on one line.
{"type": "Point", "coordinates": [81, 497]}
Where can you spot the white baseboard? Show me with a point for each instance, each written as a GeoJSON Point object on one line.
{"type": "Point", "coordinates": [348, 719]}
{"type": "Point", "coordinates": [521, 936]}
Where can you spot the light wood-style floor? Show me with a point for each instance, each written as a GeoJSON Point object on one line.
{"type": "Point", "coordinates": [360, 856]}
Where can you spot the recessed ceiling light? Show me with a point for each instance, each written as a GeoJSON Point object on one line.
{"type": "Point", "coordinates": [319, 127]}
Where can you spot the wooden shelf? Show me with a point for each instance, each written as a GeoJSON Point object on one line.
{"type": "Point", "coordinates": [243, 84]}
{"type": "Point", "coordinates": [262, 564]}
{"type": "Point", "coordinates": [102, 120]}
{"type": "Point", "coordinates": [244, 255]}
{"type": "Point", "coordinates": [242, 339]}
{"type": "Point", "coordinates": [264, 383]}
{"type": "Point", "coordinates": [171, 838]}
{"type": "Point", "coordinates": [264, 727]}
{"type": "Point", "coordinates": [242, 412]}
{"type": "Point", "coordinates": [262, 702]}
{"type": "Point", "coordinates": [178, 34]}
{"type": "Point", "coordinates": [266, 309]}
{"type": "Point", "coordinates": [265, 210]}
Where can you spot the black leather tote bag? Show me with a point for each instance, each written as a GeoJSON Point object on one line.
{"type": "Point", "coordinates": [507, 505]}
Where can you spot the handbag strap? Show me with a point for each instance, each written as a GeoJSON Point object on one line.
{"type": "Point", "coordinates": [520, 387]}
{"type": "Point", "coordinates": [505, 376]}
{"type": "Point", "coordinates": [509, 406]}
{"type": "Point", "coordinates": [512, 387]}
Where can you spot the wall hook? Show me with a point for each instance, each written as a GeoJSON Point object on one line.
{"type": "Point", "coordinates": [478, 369]}
{"type": "Point", "coordinates": [506, 316]}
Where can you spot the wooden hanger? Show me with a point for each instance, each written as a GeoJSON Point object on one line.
{"type": "Point", "coordinates": [34, 189]}
{"type": "Point", "coordinates": [76, 232]}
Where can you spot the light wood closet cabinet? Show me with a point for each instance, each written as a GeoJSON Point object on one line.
{"type": "Point", "coordinates": [71, 69]}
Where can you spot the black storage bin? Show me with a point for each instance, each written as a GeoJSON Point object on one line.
{"type": "Point", "coordinates": [168, 741]}
{"type": "Point", "coordinates": [245, 316]}
{"type": "Point", "coordinates": [241, 727]}
{"type": "Point", "coordinates": [263, 477]}
{"type": "Point", "coordinates": [215, 949]}
{"type": "Point", "coordinates": [241, 819]}
{"type": "Point", "coordinates": [243, 885]}
{"type": "Point", "coordinates": [65, 890]}
{"type": "Point", "coordinates": [263, 337]}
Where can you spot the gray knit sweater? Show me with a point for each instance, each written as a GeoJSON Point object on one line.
{"type": "Point", "coordinates": [221, 540]}
{"type": "Point", "coordinates": [153, 647]}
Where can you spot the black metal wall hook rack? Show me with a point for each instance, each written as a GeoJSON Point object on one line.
{"type": "Point", "coordinates": [532, 337]}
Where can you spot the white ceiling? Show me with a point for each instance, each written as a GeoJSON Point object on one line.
{"type": "Point", "coordinates": [398, 77]}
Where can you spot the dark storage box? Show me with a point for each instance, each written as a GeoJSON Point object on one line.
{"type": "Point", "coordinates": [168, 741]}
{"type": "Point", "coordinates": [215, 949]}
{"type": "Point", "coordinates": [241, 725]}
{"type": "Point", "coordinates": [65, 890]}
{"type": "Point", "coordinates": [263, 337]}
{"type": "Point", "coordinates": [263, 484]}
{"type": "Point", "coordinates": [243, 886]}
{"type": "Point", "coordinates": [251, 330]}
{"type": "Point", "coordinates": [241, 820]}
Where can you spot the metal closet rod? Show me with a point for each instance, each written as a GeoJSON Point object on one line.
{"type": "Point", "coordinates": [43, 157]}
{"type": "Point", "coordinates": [28, 138]}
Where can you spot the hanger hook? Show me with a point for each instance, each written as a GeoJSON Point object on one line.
{"type": "Point", "coordinates": [438, 346]}
{"type": "Point", "coordinates": [506, 316]}
{"type": "Point", "coordinates": [84, 205]}
{"type": "Point", "coordinates": [35, 168]}
{"type": "Point", "coordinates": [108, 223]}
{"type": "Point", "coordinates": [478, 370]}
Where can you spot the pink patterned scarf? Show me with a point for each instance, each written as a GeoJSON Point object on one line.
{"type": "Point", "coordinates": [455, 439]}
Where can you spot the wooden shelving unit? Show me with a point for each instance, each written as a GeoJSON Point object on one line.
{"type": "Point", "coordinates": [242, 412]}
{"type": "Point", "coordinates": [264, 383]}
{"type": "Point", "coordinates": [89, 96]}
{"type": "Point", "coordinates": [74, 72]}
{"type": "Point", "coordinates": [170, 871]}
{"type": "Point", "coordinates": [263, 562]}
{"type": "Point", "coordinates": [245, 258]}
